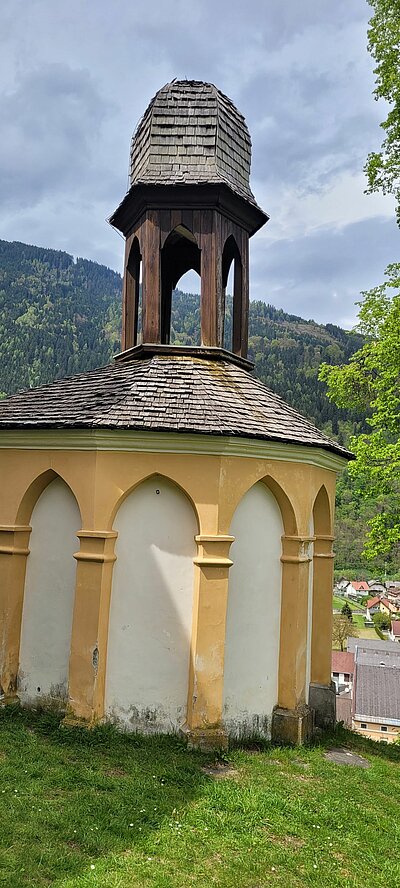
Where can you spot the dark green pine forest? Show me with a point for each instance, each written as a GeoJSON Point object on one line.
{"type": "Point", "coordinates": [60, 316]}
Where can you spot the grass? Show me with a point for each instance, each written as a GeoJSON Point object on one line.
{"type": "Point", "coordinates": [98, 808]}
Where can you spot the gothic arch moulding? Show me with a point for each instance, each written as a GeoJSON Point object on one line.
{"type": "Point", "coordinates": [322, 513]}
{"type": "Point", "coordinates": [35, 490]}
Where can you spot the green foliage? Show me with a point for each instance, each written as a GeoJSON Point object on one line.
{"type": "Point", "coordinates": [347, 612]}
{"type": "Point", "coordinates": [381, 621]}
{"type": "Point", "coordinates": [57, 317]}
{"type": "Point", "coordinates": [383, 167]}
{"type": "Point", "coordinates": [372, 379]}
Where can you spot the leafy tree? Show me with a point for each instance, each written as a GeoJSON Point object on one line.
{"type": "Point", "coordinates": [382, 621]}
{"type": "Point", "coordinates": [383, 167]}
{"type": "Point", "coordinates": [342, 627]}
{"type": "Point", "coordinates": [371, 380]}
{"type": "Point", "coordinates": [347, 612]}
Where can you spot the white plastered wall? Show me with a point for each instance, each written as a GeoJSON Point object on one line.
{"type": "Point", "coordinates": [253, 615]}
{"type": "Point", "coordinates": [49, 596]}
{"type": "Point", "coordinates": [151, 609]}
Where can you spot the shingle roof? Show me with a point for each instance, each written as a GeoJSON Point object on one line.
{"type": "Point", "coordinates": [165, 393]}
{"type": "Point", "coordinates": [192, 133]}
{"type": "Point", "coordinates": [377, 692]}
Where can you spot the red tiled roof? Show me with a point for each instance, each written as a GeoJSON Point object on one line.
{"type": "Point", "coordinates": [396, 627]}
{"type": "Point", "coordinates": [360, 585]}
{"type": "Point", "coordinates": [372, 601]}
{"type": "Point", "coordinates": [342, 661]}
{"type": "Point", "coordinates": [388, 604]}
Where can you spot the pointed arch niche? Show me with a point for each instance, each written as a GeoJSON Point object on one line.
{"type": "Point", "coordinates": [179, 255]}
{"type": "Point", "coordinates": [49, 595]}
{"type": "Point", "coordinates": [151, 608]}
{"type": "Point", "coordinates": [132, 322]}
{"type": "Point", "coordinates": [253, 614]}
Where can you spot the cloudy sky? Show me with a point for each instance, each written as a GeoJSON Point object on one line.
{"type": "Point", "coordinates": [76, 77]}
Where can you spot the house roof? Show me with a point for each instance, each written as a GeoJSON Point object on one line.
{"type": "Point", "coordinates": [389, 604]}
{"type": "Point", "coordinates": [396, 628]}
{"type": "Point", "coordinates": [378, 657]}
{"type": "Point", "coordinates": [372, 643]}
{"type": "Point", "coordinates": [342, 661]}
{"type": "Point", "coordinates": [165, 393]}
{"type": "Point", "coordinates": [377, 693]}
{"type": "Point", "coordinates": [191, 133]}
{"type": "Point", "coordinates": [360, 585]}
{"type": "Point", "coordinates": [372, 601]}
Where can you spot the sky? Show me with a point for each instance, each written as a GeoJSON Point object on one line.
{"type": "Point", "coordinates": [76, 77]}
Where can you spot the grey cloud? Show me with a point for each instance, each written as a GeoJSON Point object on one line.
{"type": "Point", "coordinates": [50, 128]}
{"type": "Point", "coordinates": [321, 276]}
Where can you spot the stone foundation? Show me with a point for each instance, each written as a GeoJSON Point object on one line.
{"type": "Point", "coordinates": [322, 699]}
{"type": "Point", "coordinates": [292, 726]}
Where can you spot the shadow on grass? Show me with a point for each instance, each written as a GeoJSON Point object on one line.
{"type": "Point", "coordinates": [69, 795]}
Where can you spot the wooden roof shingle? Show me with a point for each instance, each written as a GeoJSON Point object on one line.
{"type": "Point", "coordinates": [191, 133]}
{"type": "Point", "coordinates": [165, 393]}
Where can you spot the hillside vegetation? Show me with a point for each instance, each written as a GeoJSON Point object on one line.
{"type": "Point", "coordinates": [60, 316]}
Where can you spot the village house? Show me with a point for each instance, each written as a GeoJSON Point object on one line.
{"type": "Point", "coordinates": [356, 589]}
{"type": "Point", "coordinates": [342, 671]}
{"type": "Point", "coordinates": [376, 695]}
{"type": "Point", "coordinates": [394, 633]}
{"type": "Point", "coordinates": [379, 605]}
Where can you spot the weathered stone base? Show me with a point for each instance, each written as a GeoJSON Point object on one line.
{"type": "Point", "coordinates": [322, 699]}
{"type": "Point", "coordinates": [292, 726]}
{"type": "Point", "coordinates": [10, 699]}
{"type": "Point", "coordinates": [206, 739]}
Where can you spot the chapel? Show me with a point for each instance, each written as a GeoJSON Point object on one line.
{"type": "Point", "coordinates": [166, 521]}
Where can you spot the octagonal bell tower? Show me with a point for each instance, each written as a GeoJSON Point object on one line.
{"type": "Point", "coordinates": [189, 206]}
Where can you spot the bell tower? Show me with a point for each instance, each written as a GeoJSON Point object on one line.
{"type": "Point", "coordinates": [189, 206]}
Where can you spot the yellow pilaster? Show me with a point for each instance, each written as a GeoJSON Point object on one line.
{"type": "Point", "coordinates": [321, 653]}
{"type": "Point", "coordinates": [292, 721]}
{"type": "Point", "coordinates": [206, 678]}
{"type": "Point", "coordinates": [14, 549]}
{"type": "Point", "coordinates": [88, 660]}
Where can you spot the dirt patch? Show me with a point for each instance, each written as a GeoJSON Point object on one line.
{"type": "Point", "coordinates": [220, 771]}
{"type": "Point", "coordinates": [116, 772]}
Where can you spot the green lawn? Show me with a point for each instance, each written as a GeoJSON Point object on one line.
{"type": "Point", "coordinates": [100, 809]}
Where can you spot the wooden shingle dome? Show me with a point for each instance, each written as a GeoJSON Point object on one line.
{"type": "Point", "coordinates": [192, 133]}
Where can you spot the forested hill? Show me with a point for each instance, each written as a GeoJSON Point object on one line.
{"type": "Point", "coordinates": [59, 316]}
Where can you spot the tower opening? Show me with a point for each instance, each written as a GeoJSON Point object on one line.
{"type": "Point", "coordinates": [232, 285]}
{"type": "Point", "coordinates": [179, 255]}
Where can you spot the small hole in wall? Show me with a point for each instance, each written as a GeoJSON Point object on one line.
{"type": "Point", "coordinates": [38, 690]}
{"type": "Point", "coordinates": [157, 491]}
